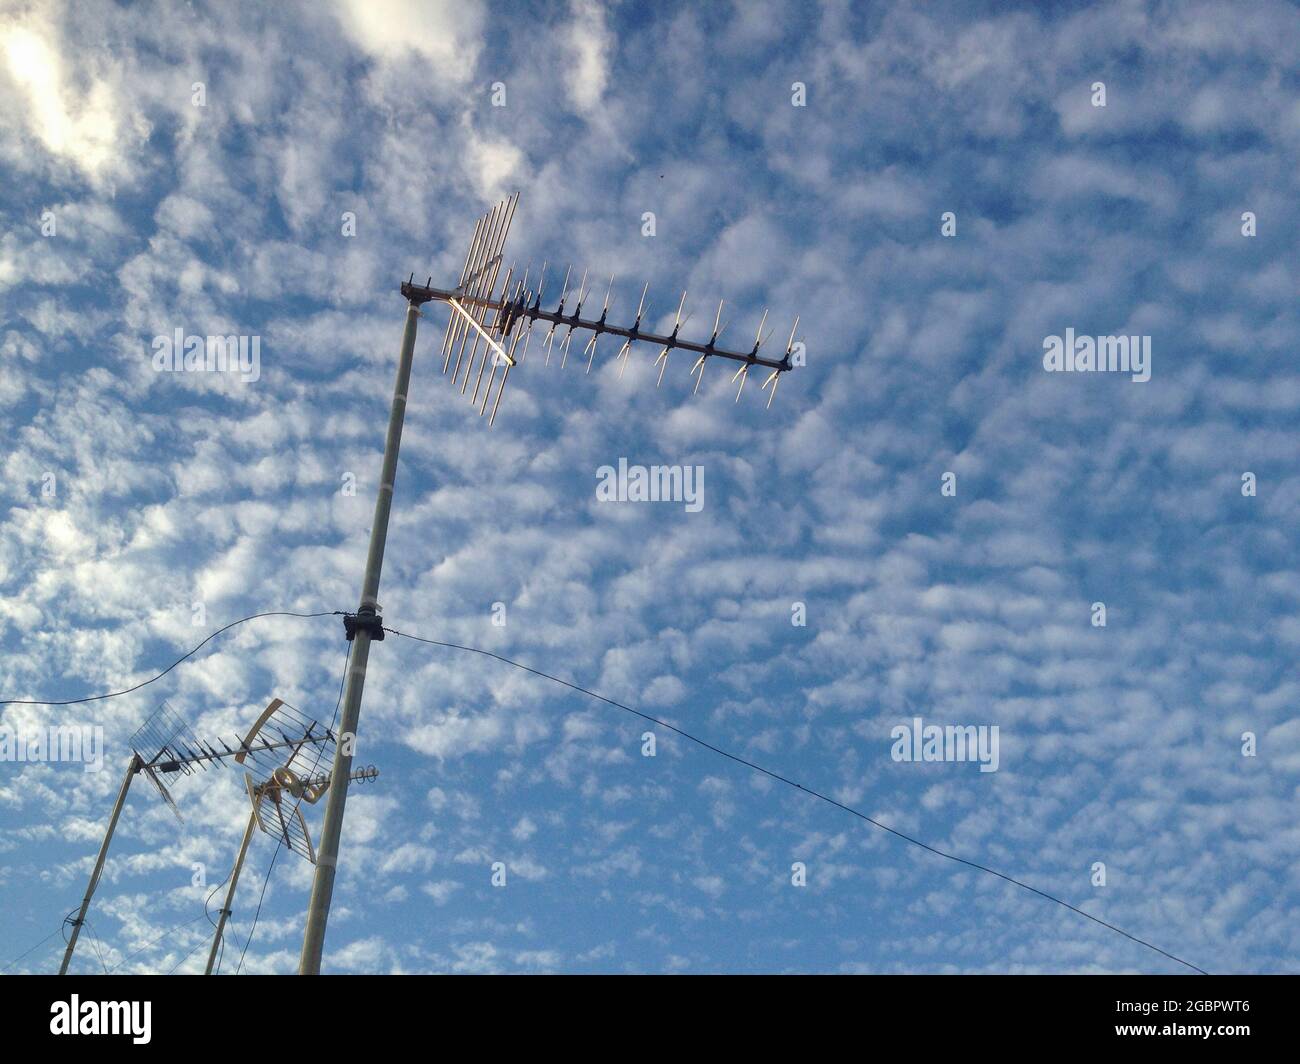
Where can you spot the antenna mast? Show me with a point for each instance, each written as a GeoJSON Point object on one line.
{"type": "Point", "coordinates": [495, 320]}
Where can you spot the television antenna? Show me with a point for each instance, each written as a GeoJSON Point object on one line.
{"type": "Point", "coordinates": [164, 745]}
{"type": "Point", "coordinates": [495, 320]}
{"type": "Point", "coordinates": [271, 788]}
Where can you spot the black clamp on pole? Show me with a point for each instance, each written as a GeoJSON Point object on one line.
{"type": "Point", "coordinates": [368, 622]}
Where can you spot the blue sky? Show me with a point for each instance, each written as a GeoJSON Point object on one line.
{"type": "Point", "coordinates": [1120, 744]}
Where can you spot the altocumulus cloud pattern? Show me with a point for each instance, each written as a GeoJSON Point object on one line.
{"type": "Point", "coordinates": [1008, 565]}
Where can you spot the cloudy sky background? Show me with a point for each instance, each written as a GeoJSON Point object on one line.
{"type": "Point", "coordinates": [1121, 745]}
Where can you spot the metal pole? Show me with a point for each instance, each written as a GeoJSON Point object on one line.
{"type": "Point", "coordinates": [131, 770]}
{"type": "Point", "coordinates": [230, 891]}
{"type": "Point", "coordinates": [313, 941]}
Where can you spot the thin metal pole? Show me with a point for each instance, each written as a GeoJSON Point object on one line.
{"type": "Point", "coordinates": [322, 889]}
{"type": "Point", "coordinates": [230, 891]}
{"type": "Point", "coordinates": [131, 770]}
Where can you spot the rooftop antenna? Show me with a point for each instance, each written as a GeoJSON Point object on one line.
{"type": "Point", "coordinates": [165, 745]}
{"type": "Point", "coordinates": [495, 319]}
{"type": "Point", "coordinates": [270, 791]}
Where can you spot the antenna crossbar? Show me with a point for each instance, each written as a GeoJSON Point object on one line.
{"type": "Point", "coordinates": [174, 760]}
{"type": "Point", "coordinates": [511, 311]}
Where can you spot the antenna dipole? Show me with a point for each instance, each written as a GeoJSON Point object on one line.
{"type": "Point", "coordinates": [496, 320]}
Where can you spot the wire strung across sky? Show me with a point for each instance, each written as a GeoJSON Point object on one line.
{"type": "Point", "coordinates": [35, 947]}
{"type": "Point", "coordinates": [635, 712]}
{"type": "Point", "coordinates": [172, 969]}
{"type": "Point", "coordinates": [183, 657]}
{"type": "Point", "coordinates": [119, 964]}
{"type": "Point", "coordinates": [158, 938]}
{"type": "Point", "coordinates": [799, 786]}
{"type": "Point", "coordinates": [99, 950]}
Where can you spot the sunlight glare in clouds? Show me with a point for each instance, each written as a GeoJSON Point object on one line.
{"type": "Point", "coordinates": [589, 46]}
{"type": "Point", "coordinates": [446, 34]}
{"type": "Point", "coordinates": [83, 131]}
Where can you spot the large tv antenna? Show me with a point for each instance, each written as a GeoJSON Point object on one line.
{"type": "Point", "coordinates": [164, 745]}
{"type": "Point", "coordinates": [495, 320]}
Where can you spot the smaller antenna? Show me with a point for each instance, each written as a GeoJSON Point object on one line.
{"type": "Point", "coordinates": [268, 795]}
{"type": "Point", "coordinates": [282, 767]}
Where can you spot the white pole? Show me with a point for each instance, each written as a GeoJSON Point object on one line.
{"type": "Point", "coordinates": [313, 942]}
{"type": "Point", "coordinates": [131, 770]}
{"type": "Point", "coordinates": [230, 891]}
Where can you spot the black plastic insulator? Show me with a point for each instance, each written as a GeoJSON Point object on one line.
{"type": "Point", "coordinates": [369, 622]}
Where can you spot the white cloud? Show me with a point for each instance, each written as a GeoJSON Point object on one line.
{"type": "Point", "coordinates": [73, 110]}
{"type": "Point", "coordinates": [590, 43]}
{"type": "Point", "coordinates": [444, 33]}
{"type": "Point", "coordinates": [441, 891]}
